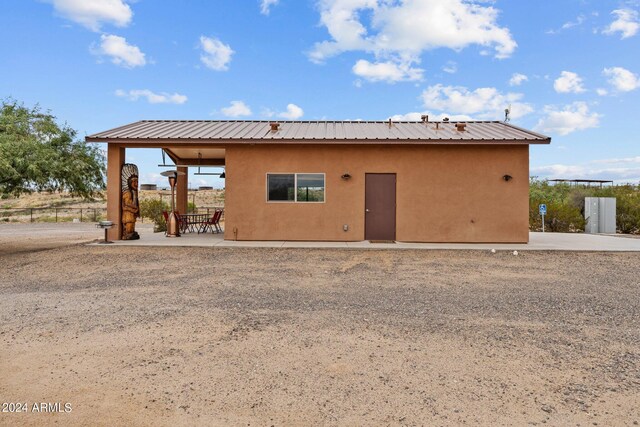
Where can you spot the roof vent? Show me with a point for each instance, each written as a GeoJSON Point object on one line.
{"type": "Point", "coordinates": [460, 127]}
{"type": "Point", "coordinates": [274, 126]}
{"type": "Point", "coordinates": [425, 118]}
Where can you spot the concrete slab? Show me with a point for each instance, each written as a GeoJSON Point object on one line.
{"type": "Point", "coordinates": [250, 244]}
{"type": "Point", "coordinates": [538, 241]}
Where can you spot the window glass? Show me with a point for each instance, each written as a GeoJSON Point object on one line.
{"type": "Point", "coordinates": [281, 187]}
{"type": "Point", "coordinates": [310, 187]}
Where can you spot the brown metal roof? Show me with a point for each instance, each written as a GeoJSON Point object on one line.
{"type": "Point", "coordinates": [317, 132]}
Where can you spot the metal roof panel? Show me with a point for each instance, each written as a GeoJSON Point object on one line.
{"type": "Point", "coordinates": [237, 131]}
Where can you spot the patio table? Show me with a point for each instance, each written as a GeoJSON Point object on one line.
{"type": "Point", "coordinates": [193, 222]}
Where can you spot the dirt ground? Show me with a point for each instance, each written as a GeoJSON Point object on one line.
{"type": "Point", "coordinates": [212, 336]}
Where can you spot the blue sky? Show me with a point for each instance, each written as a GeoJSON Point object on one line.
{"type": "Point", "coordinates": [569, 68]}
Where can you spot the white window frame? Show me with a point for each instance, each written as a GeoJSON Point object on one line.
{"type": "Point", "coordinates": [295, 186]}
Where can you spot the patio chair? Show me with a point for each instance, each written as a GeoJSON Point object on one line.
{"type": "Point", "coordinates": [182, 222]}
{"type": "Point", "coordinates": [212, 222]}
{"type": "Point", "coordinates": [217, 222]}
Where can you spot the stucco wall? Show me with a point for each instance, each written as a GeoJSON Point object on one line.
{"type": "Point", "coordinates": [443, 193]}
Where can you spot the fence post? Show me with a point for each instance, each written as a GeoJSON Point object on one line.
{"type": "Point", "coordinates": [31, 214]}
{"type": "Point", "coordinates": [56, 209]}
{"type": "Point", "coordinates": [80, 214]}
{"type": "Point", "coordinates": [95, 215]}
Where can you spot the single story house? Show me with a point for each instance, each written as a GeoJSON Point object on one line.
{"type": "Point", "coordinates": [422, 181]}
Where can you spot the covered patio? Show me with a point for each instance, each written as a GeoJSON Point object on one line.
{"type": "Point", "coordinates": [184, 152]}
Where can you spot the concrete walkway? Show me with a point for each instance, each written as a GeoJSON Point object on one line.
{"type": "Point", "coordinates": [537, 242]}
{"type": "Point", "coordinates": [51, 235]}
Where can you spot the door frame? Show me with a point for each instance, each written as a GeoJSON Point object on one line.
{"type": "Point", "coordinates": [395, 202]}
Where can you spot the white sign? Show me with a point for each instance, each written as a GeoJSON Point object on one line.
{"type": "Point", "coordinates": [543, 209]}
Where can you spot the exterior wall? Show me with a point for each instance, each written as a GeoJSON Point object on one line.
{"type": "Point", "coordinates": [444, 193]}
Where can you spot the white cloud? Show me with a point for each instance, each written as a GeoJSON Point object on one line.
{"type": "Point", "coordinates": [570, 24]}
{"type": "Point", "coordinates": [236, 109]}
{"type": "Point", "coordinates": [450, 67]}
{"type": "Point", "coordinates": [92, 14]}
{"type": "Point", "coordinates": [216, 55]}
{"type": "Point", "coordinates": [568, 82]}
{"type": "Point", "coordinates": [622, 79]}
{"type": "Point", "coordinates": [602, 92]}
{"type": "Point", "coordinates": [120, 52]}
{"type": "Point", "coordinates": [618, 170]}
{"type": "Point", "coordinates": [570, 118]}
{"type": "Point", "coordinates": [386, 71]}
{"type": "Point", "coordinates": [293, 112]}
{"type": "Point", "coordinates": [517, 79]}
{"type": "Point", "coordinates": [399, 32]}
{"type": "Point", "coordinates": [484, 103]}
{"type": "Point", "coordinates": [635, 159]}
{"type": "Point", "coordinates": [626, 23]}
{"type": "Point", "coordinates": [152, 97]}
{"type": "Point", "coordinates": [265, 6]}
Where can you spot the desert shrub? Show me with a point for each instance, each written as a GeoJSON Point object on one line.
{"type": "Point", "coordinates": [191, 207]}
{"type": "Point", "coordinates": [152, 209]}
{"type": "Point", "coordinates": [565, 206]}
{"type": "Point", "coordinates": [628, 212]}
{"type": "Point", "coordinates": [563, 217]}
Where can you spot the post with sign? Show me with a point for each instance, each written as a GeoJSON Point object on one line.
{"type": "Point", "coordinates": [543, 211]}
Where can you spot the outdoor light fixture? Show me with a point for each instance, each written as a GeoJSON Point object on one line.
{"type": "Point", "coordinates": [221, 175]}
{"type": "Point", "coordinates": [164, 162]}
{"type": "Point", "coordinates": [507, 178]}
{"type": "Point", "coordinates": [346, 176]}
{"type": "Point", "coordinates": [173, 230]}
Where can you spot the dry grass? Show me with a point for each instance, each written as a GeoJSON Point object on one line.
{"type": "Point", "coordinates": [66, 207]}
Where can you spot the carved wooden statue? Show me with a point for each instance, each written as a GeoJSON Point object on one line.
{"type": "Point", "coordinates": [130, 205]}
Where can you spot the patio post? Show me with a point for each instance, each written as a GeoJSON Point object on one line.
{"type": "Point", "coordinates": [182, 190]}
{"type": "Point", "coordinates": [115, 160]}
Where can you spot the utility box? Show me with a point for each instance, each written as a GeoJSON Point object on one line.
{"type": "Point", "coordinates": [600, 215]}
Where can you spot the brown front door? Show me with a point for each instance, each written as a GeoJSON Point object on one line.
{"type": "Point", "coordinates": [380, 206]}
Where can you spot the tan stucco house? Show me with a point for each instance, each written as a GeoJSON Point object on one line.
{"type": "Point", "coordinates": [348, 180]}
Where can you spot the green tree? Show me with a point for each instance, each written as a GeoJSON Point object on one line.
{"type": "Point", "coordinates": [36, 153]}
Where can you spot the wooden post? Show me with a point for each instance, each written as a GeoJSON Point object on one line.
{"type": "Point", "coordinates": [182, 190]}
{"type": "Point", "coordinates": [115, 160]}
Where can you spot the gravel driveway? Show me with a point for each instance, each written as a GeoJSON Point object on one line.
{"type": "Point", "coordinates": [186, 336]}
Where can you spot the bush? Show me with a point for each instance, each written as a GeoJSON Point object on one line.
{"type": "Point", "coordinates": [152, 209]}
{"type": "Point", "coordinates": [565, 206]}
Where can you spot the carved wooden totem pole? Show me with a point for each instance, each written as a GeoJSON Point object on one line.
{"type": "Point", "coordinates": [130, 205]}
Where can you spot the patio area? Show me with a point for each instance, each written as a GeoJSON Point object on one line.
{"type": "Point", "coordinates": [537, 242]}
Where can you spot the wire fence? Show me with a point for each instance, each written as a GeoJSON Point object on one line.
{"type": "Point", "coordinates": [209, 210]}
{"type": "Point", "coordinates": [52, 214]}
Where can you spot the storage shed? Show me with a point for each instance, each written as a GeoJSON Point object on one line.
{"type": "Point", "coordinates": [349, 180]}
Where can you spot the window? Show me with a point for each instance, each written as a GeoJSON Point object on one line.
{"type": "Point", "coordinates": [295, 187]}
{"type": "Point", "coordinates": [281, 187]}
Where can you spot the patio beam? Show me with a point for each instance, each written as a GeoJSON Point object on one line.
{"type": "Point", "coordinates": [200, 162]}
